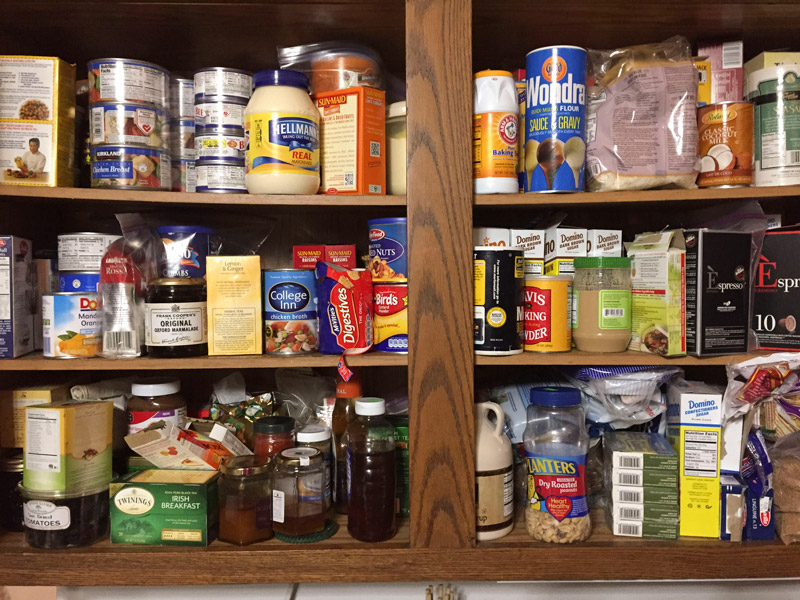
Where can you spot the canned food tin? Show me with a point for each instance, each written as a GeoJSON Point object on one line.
{"type": "Point", "coordinates": [184, 176]}
{"type": "Point", "coordinates": [131, 167]}
{"type": "Point", "coordinates": [71, 325]}
{"type": "Point", "coordinates": [555, 118]}
{"type": "Point", "coordinates": [221, 176]}
{"type": "Point", "coordinates": [725, 144]}
{"type": "Point", "coordinates": [180, 139]}
{"type": "Point", "coordinates": [388, 260]}
{"type": "Point", "coordinates": [77, 281]}
{"type": "Point", "coordinates": [390, 323]}
{"type": "Point", "coordinates": [227, 142]}
{"type": "Point", "coordinates": [221, 81]}
{"type": "Point", "coordinates": [83, 250]}
{"type": "Point", "coordinates": [498, 274]}
{"type": "Point", "coordinates": [185, 248]}
{"type": "Point", "coordinates": [290, 311]}
{"type": "Point", "coordinates": [219, 112]}
{"type": "Point", "coordinates": [116, 123]}
{"type": "Point", "coordinates": [181, 98]}
{"type": "Point", "coordinates": [345, 309]}
{"type": "Point", "coordinates": [547, 302]}
{"type": "Point", "coordinates": [126, 80]}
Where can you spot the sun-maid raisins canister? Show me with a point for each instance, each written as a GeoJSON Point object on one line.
{"type": "Point", "coordinates": [499, 274]}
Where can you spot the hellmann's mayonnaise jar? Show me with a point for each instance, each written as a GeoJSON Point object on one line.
{"type": "Point", "coordinates": [282, 131]}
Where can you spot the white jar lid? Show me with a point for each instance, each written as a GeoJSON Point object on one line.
{"type": "Point", "coordinates": [396, 109]}
{"type": "Point", "coordinates": [370, 406]}
{"type": "Point", "coordinates": [313, 432]}
{"type": "Point", "coordinates": [156, 386]}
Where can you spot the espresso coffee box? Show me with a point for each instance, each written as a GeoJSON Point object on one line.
{"type": "Point", "coordinates": [777, 291]}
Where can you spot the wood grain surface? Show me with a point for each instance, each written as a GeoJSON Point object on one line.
{"type": "Point", "coordinates": [439, 78]}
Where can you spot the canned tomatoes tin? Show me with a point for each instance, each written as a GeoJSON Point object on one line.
{"type": "Point", "coordinates": [116, 123]}
{"type": "Point", "coordinates": [126, 80]}
{"type": "Point", "coordinates": [185, 248]}
{"type": "Point", "coordinates": [388, 260]}
{"type": "Point", "coordinates": [180, 139]}
{"type": "Point", "coordinates": [131, 167]}
{"type": "Point", "coordinates": [498, 274]}
{"type": "Point", "coordinates": [390, 322]}
{"type": "Point", "coordinates": [219, 112]}
{"type": "Point", "coordinates": [220, 81]}
{"type": "Point", "coordinates": [345, 309]}
{"type": "Point", "coordinates": [184, 175]}
{"type": "Point", "coordinates": [725, 144]}
{"type": "Point", "coordinates": [290, 311]}
{"type": "Point", "coordinates": [71, 325]}
{"type": "Point", "coordinates": [76, 281]}
{"type": "Point", "coordinates": [555, 119]}
{"type": "Point", "coordinates": [547, 302]}
{"type": "Point", "coordinates": [83, 251]}
{"type": "Point", "coordinates": [219, 142]}
{"type": "Point", "coordinates": [221, 176]}
{"type": "Point", "coordinates": [181, 98]}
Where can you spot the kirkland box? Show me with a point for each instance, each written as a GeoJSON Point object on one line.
{"type": "Point", "coordinates": [717, 291]}
{"type": "Point", "coordinates": [694, 428]}
{"type": "Point", "coordinates": [165, 508]}
{"type": "Point", "coordinates": [777, 291]}
{"type": "Point", "coordinates": [17, 296]}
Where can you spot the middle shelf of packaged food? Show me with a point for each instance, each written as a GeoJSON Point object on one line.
{"type": "Point", "coordinates": [576, 357]}
{"type": "Point", "coordinates": [36, 362]}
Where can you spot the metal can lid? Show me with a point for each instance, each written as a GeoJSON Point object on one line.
{"type": "Point", "coordinates": [177, 281]}
{"type": "Point", "coordinates": [301, 457]}
{"type": "Point", "coordinates": [244, 466]}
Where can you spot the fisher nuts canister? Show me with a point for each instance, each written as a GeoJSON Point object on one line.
{"type": "Point", "coordinates": [548, 313]}
{"type": "Point", "coordinates": [155, 399]}
{"type": "Point", "coordinates": [390, 319]}
{"type": "Point", "coordinates": [71, 325]}
{"type": "Point", "coordinates": [495, 133]}
{"type": "Point", "coordinates": [775, 91]}
{"type": "Point", "coordinates": [388, 249]}
{"type": "Point", "coordinates": [725, 144]}
{"type": "Point", "coordinates": [282, 126]}
{"type": "Point", "coordinates": [176, 319]}
{"type": "Point", "coordinates": [498, 275]}
{"type": "Point", "coordinates": [555, 119]}
{"type": "Point", "coordinates": [290, 311]}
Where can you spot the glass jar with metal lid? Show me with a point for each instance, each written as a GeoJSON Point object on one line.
{"type": "Point", "coordinates": [298, 496]}
{"type": "Point", "coordinates": [317, 435]}
{"type": "Point", "coordinates": [176, 319]}
{"type": "Point", "coordinates": [271, 435]}
{"type": "Point", "coordinates": [245, 500]}
{"type": "Point", "coordinates": [601, 304]}
{"type": "Point", "coordinates": [10, 498]}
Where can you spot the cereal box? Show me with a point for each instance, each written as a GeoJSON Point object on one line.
{"type": "Point", "coordinates": [234, 305]}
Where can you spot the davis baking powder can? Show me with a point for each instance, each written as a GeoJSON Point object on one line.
{"type": "Point", "coordinates": [555, 119]}
{"type": "Point", "coordinates": [290, 311]}
{"type": "Point", "coordinates": [725, 144]}
{"type": "Point", "coordinates": [71, 325]}
{"type": "Point", "coordinates": [498, 274]}
{"type": "Point", "coordinates": [390, 320]}
{"type": "Point", "coordinates": [776, 94]}
{"type": "Point", "coordinates": [547, 302]}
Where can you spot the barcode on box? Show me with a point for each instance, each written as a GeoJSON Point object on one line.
{"type": "Point", "coordinates": [97, 126]}
{"type": "Point", "coordinates": [732, 55]}
{"type": "Point", "coordinates": [629, 479]}
{"type": "Point", "coordinates": [633, 529]}
{"type": "Point", "coordinates": [630, 496]}
{"type": "Point", "coordinates": [374, 189]}
{"type": "Point", "coordinates": [120, 341]}
{"type": "Point", "coordinates": [633, 514]}
{"type": "Point", "coordinates": [630, 462]}
{"type": "Point", "coordinates": [375, 149]}
{"type": "Point", "coordinates": [613, 312]}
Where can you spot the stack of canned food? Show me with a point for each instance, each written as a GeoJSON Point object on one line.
{"type": "Point", "coordinates": [221, 96]}
{"type": "Point", "coordinates": [182, 135]}
{"type": "Point", "coordinates": [128, 145]}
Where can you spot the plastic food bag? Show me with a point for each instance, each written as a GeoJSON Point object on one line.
{"type": "Point", "coordinates": [641, 123]}
{"type": "Point", "coordinates": [757, 379]}
{"type": "Point", "coordinates": [334, 65]}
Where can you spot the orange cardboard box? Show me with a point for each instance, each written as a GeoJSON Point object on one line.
{"type": "Point", "coordinates": [352, 141]}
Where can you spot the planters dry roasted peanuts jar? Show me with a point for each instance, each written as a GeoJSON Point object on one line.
{"type": "Point", "coordinates": [282, 128]}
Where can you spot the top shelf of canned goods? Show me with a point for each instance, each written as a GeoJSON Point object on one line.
{"type": "Point", "coordinates": [637, 197]}
{"type": "Point", "coordinates": [146, 197]}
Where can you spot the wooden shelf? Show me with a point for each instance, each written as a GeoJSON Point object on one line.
{"type": "Point", "coordinates": [616, 358]}
{"type": "Point", "coordinates": [37, 362]}
{"type": "Point", "coordinates": [98, 195]}
{"type": "Point", "coordinates": [632, 197]}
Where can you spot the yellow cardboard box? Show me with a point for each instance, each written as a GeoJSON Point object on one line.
{"type": "Point", "coordinates": [235, 325]}
{"type": "Point", "coordinates": [12, 408]}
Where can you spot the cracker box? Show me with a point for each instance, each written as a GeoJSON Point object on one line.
{"type": "Point", "coordinates": [165, 508]}
{"type": "Point", "coordinates": [727, 69]}
{"type": "Point", "coordinates": [658, 295]}
{"type": "Point", "coordinates": [234, 305]}
{"type": "Point", "coordinates": [68, 445]}
{"type": "Point", "coordinates": [532, 243]}
{"type": "Point", "coordinates": [37, 121]}
{"type": "Point", "coordinates": [17, 296]}
{"type": "Point", "coordinates": [12, 409]}
{"type": "Point", "coordinates": [694, 428]}
{"type": "Point", "coordinates": [352, 141]}
{"type": "Point", "coordinates": [604, 242]}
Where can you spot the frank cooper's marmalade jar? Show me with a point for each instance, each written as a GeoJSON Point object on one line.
{"type": "Point", "coordinates": [176, 320]}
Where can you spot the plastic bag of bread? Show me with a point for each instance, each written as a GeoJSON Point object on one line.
{"type": "Point", "coordinates": [786, 483]}
{"type": "Point", "coordinates": [641, 123]}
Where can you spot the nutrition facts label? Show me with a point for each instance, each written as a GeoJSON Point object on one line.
{"type": "Point", "coordinates": [700, 453]}
{"type": "Point", "coordinates": [42, 441]}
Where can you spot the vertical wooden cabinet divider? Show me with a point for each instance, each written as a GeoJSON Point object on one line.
{"type": "Point", "coordinates": [438, 75]}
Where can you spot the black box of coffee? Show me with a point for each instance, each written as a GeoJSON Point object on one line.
{"type": "Point", "coordinates": [777, 290]}
{"type": "Point", "coordinates": [717, 291]}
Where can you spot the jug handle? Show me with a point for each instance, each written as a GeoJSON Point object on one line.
{"type": "Point", "coordinates": [498, 412]}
